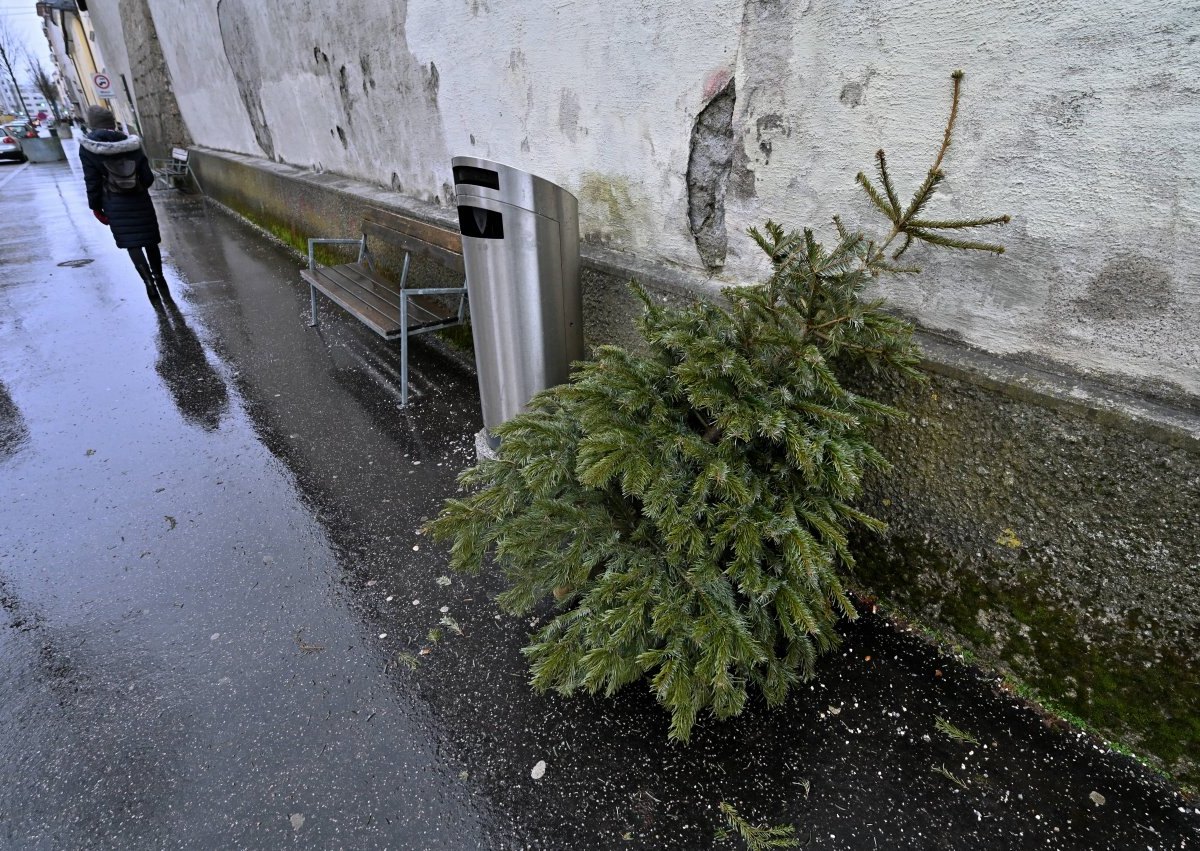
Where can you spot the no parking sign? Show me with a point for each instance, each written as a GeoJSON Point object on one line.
{"type": "Point", "coordinates": [103, 86]}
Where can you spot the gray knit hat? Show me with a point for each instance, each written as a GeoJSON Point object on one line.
{"type": "Point", "coordinates": [99, 118]}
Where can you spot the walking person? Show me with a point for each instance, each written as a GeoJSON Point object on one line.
{"type": "Point", "coordinates": [118, 179]}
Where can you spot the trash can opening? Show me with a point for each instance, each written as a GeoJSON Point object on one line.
{"type": "Point", "coordinates": [471, 176]}
{"type": "Point", "coordinates": [480, 223]}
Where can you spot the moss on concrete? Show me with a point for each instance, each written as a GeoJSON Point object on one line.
{"type": "Point", "coordinates": [1061, 551]}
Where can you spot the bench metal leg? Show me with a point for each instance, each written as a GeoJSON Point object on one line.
{"type": "Point", "coordinates": [404, 349]}
{"type": "Point", "coordinates": [312, 295]}
{"type": "Point", "coordinates": [404, 334]}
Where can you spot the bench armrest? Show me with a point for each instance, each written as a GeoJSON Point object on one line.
{"type": "Point", "coordinates": [435, 291]}
{"type": "Point", "coordinates": [312, 263]}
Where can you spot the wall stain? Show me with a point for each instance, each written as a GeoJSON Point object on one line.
{"type": "Point", "coordinates": [241, 51]}
{"type": "Point", "coordinates": [1128, 286]}
{"type": "Point", "coordinates": [348, 99]}
{"type": "Point", "coordinates": [853, 93]}
{"type": "Point", "coordinates": [364, 65]}
{"type": "Point", "coordinates": [1068, 110]}
{"type": "Point", "coordinates": [568, 114]}
{"type": "Point", "coordinates": [606, 210]}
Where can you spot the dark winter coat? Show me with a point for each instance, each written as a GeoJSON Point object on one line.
{"type": "Point", "coordinates": [130, 215]}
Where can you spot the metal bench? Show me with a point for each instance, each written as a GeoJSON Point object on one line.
{"type": "Point", "coordinates": [172, 172]}
{"type": "Point", "coordinates": [388, 308]}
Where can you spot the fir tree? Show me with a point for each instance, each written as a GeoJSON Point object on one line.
{"type": "Point", "coordinates": [687, 509]}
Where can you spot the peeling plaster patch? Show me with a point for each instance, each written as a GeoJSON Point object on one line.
{"type": "Point", "coordinates": [1129, 285]}
{"type": "Point", "coordinates": [472, 140]}
{"type": "Point", "coordinates": [433, 81]}
{"type": "Point", "coordinates": [396, 185]}
{"type": "Point", "coordinates": [568, 114]}
{"type": "Point", "coordinates": [342, 135]}
{"type": "Point", "coordinates": [241, 51]}
{"type": "Point", "coordinates": [708, 175]}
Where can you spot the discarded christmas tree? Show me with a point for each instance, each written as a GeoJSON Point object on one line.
{"type": "Point", "coordinates": [687, 509]}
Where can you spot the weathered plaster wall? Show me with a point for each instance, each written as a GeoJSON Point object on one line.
{"type": "Point", "coordinates": [1080, 119]}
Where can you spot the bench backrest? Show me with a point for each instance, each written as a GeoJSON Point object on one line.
{"type": "Point", "coordinates": [416, 237]}
{"type": "Point", "coordinates": [180, 154]}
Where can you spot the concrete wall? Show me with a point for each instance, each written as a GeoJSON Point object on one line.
{"type": "Point", "coordinates": [1080, 119]}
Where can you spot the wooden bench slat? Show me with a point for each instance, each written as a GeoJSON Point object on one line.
{"type": "Point", "coordinates": [385, 297]}
{"type": "Point", "coordinates": [378, 322]}
{"type": "Point", "coordinates": [419, 247]}
{"type": "Point", "coordinates": [358, 292]}
{"type": "Point", "coordinates": [438, 237]}
{"type": "Point", "coordinates": [375, 292]}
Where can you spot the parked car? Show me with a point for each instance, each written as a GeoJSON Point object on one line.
{"type": "Point", "coordinates": [10, 147]}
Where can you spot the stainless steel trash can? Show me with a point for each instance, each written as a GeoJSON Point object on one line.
{"type": "Point", "coordinates": [520, 238]}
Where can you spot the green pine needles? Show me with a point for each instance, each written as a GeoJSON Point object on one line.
{"type": "Point", "coordinates": [686, 510]}
{"type": "Point", "coordinates": [757, 837]}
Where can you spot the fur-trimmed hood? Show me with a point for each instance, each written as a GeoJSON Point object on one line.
{"type": "Point", "coordinates": [108, 142]}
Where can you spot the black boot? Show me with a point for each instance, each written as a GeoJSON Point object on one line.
{"type": "Point", "coordinates": [143, 270]}
{"type": "Point", "coordinates": [156, 269]}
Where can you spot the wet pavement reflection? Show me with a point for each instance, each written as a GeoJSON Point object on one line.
{"type": "Point", "coordinates": [219, 626]}
{"type": "Point", "coordinates": [13, 431]}
{"type": "Point", "coordinates": [198, 390]}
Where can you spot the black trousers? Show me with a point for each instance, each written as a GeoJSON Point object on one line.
{"type": "Point", "coordinates": [148, 264]}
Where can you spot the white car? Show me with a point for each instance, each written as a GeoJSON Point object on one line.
{"type": "Point", "coordinates": [10, 144]}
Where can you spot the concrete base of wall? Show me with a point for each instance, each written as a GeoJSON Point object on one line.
{"type": "Point", "coordinates": [1046, 524]}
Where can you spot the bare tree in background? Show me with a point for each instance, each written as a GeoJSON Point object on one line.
{"type": "Point", "coordinates": [44, 83]}
{"type": "Point", "coordinates": [10, 49]}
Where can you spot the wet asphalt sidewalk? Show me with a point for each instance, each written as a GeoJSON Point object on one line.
{"type": "Point", "coordinates": [219, 627]}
